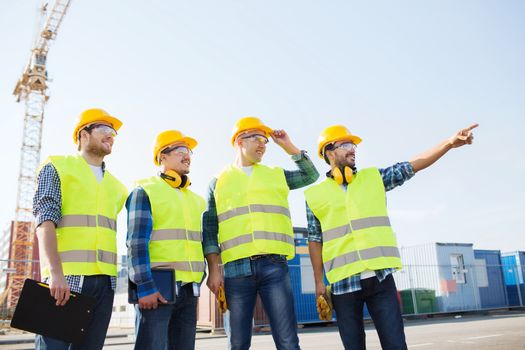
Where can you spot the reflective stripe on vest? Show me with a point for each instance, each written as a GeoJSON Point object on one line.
{"type": "Point", "coordinates": [253, 213]}
{"type": "Point", "coordinates": [90, 256]}
{"type": "Point", "coordinates": [87, 221]}
{"type": "Point", "coordinates": [176, 237]}
{"type": "Point", "coordinates": [247, 238]}
{"type": "Point", "coordinates": [86, 232]}
{"type": "Point", "coordinates": [180, 266]}
{"type": "Point", "coordinates": [357, 235]}
{"type": "Point", "coordinates": [253, 208]}
{"type": "Point", "coordinates": [175, 234]}
{"type": "Point", "coordinates": [366, 254]}
{"type": "Point", "coordinates": [359, 224]}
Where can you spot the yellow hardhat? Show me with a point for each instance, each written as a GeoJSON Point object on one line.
{"type": "Point", "coordinates": [249, 123]}
{"type": "Point", "coordinates": [332, 134]}
{"type": "Point", "coordinates": [93, 115]}
{"type": "Point", "coordinates": [169, 137]}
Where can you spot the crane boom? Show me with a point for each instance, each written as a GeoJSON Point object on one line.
{"type": "Point", "coordinates": [32, 89]}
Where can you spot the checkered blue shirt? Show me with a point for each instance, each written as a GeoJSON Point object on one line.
{"type": "Point", "coordinates": [304, 176]}
{"type": "Point", "coordinates": [140, 226]}
{"type": "Point", "coordinates": [47, 206]}
{"type": "Point", "coordinates": [392, 176]}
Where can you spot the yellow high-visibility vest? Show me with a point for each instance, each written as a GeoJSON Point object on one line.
{"type": "Point", "coordinates": [176, 237]}
{"type": "Point", "coordinates": [357, 235]}
{"type": "Point", "coordinates": [253, 213]}
{"type": "Point", "coordinates": [87, 231]}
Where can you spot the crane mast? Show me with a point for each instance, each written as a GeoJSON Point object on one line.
{"type": "Point", "coordinates": [31, 88]}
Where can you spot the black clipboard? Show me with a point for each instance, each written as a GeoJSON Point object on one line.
{"type": "Point", "coordinates": [164, 281]}
{"type": "Point", "coordinates": [36, 312]}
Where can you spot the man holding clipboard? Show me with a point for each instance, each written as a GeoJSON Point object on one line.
{"type": "Point", "coordinates": [164, 233]}
{"type": "Point", "coordinates": [76, 206]}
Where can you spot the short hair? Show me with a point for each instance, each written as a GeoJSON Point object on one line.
{"type": "Point", "coordinates": [88, 129]}
{"type": "Point", "coordinates": [329, 147]}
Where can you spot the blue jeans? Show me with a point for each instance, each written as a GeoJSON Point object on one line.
{"type": "Point", "coordinates": [383, 305]}
{"type": "Point", "coordinates": [271, 279]}
{"type": "Point", "coordinates": [98, 286]}
{"type": "Point", "coordinates": [170, 326]}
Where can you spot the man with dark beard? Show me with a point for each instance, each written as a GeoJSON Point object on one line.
{"type": "Point", "coordinates": [76, 206]}
{"type": "Point", "coordinates": [350, 236]}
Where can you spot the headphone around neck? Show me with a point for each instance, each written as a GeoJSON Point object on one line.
{"type": "Point", "coordinates": [175, 180]}
{"type": "Point", "coordinates": [343, 176]}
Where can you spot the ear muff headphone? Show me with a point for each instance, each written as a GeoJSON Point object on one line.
{"type": "Point", "coordinates": [175, 180]}
{"type": "Point", "coordinates": [343, 177]}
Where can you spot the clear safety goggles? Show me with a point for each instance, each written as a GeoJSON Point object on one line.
{"type": "Point", "coordinates": [104, 129]}
{"type": "Point", "coordinates": [348, 146]}
{"type": "Point", "coordinates": [182, 150]}
{"type": "Point", "coordinates": [256, 138]}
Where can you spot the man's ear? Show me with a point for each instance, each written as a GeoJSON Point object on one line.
{"type": "Point", "coordinates": [330, 156]}
{"type": "Point", "coordinates": [161, 158]}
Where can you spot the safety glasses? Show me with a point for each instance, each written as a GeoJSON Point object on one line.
{"type": "Point", "coordinates": [103, 129]}
{"type": "Point", "coordinates": [182, 150]}
{"type": "Point", "coordinates": [256, 138]}
{"type": "Point", "coordinates": [348, 146]}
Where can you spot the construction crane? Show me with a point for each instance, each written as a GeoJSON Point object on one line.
{"type": "Point", "coordinates": [31, 88]}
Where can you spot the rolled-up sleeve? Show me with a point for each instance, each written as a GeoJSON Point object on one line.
{"type": "Point", "coordinates": [313, 228]}
{"type": "Point", "coordinates": [47, 201]}
{"type": "Point", "coordinates": [396, 175]}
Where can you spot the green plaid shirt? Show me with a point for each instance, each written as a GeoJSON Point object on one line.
{"type": "Point", "coordinates": [304, 176]}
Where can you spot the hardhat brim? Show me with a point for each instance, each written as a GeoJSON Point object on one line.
{"type": "Point", "coordinates": [190, 141]}
{"type": "Point", "coordinates": [353, 138]}
{"type": "Point", "coordinates": [266, 129]}
{"type": "Point", "coordinates": [115, 123]}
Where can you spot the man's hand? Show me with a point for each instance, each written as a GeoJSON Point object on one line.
{"type": "Point", "coordinates": [426, 159]}
{"type": "Point", "coordinates": [151, 301]}
{"type": "Point", "coordinates": [59, 289]}
{"type": "Point", "coordinates": [281, 138]}
{"type": "Point", "coordinates": [320, 289]}
{"type": "Point", "coordinates": [463, 137]}
{"type": "Point", "coordinates": [215, 280]}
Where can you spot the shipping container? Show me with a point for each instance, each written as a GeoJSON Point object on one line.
{"type": "Point", "coordinates": [303, 284]}
{"type": "Point", "coordinates": [489, 275]}
{"type": "Point", "coordinates": [514, 275]}
{"type": "Point", "coordinates": [445, 268]}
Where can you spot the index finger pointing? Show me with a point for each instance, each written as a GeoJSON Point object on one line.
{"type": "Point", "coordinates": [473, 126]}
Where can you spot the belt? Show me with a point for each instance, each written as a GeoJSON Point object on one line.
{"type": "Point", "coordinates": [259, 256]}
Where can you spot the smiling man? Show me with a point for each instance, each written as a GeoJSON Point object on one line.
{"type": "Point", "coordinates": [248, 222]}
{"type": "Point", "coordinates": [350, 236]}
{"type": "Point", "coordinates": [76, 206]}
{"type": "Point", "coordinates": [164, 232]}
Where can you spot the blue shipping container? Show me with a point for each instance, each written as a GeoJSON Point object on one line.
{"type": "Point", "coordinates": [514, 275]}
{"type": "Point", "coordinates": [303, 285]}
{"type": "Point", "coordinates": [492, 289]}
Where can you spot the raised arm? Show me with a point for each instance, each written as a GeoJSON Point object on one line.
{"type": "Point", "coordinates": [426, 159]}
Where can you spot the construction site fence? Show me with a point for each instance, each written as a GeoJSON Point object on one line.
{"type": "Point", "coordinates": [422, 289]}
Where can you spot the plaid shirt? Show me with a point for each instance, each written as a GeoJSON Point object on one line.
{"type": "Point", "coordinates": [140, 226]}
{"type": "Point", "coordinates": [305, 175]}
{"type": "Point", "coordinates": [47, 206]}
{"type": "Point", "coordinates": [392, 176]}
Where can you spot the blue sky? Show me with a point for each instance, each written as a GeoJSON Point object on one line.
{"type": "Point", "coordinates": [402, 75]}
